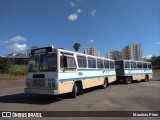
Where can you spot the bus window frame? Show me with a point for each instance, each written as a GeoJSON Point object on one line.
{"type": "Point", "coordinates": [98, 59]}
{"type": "Point", "coordinates": [83, 58]}
{"type": "Point", "coordinates": [129, 67]}
{"type": "Point", "coordinates": [140, 65]}
{"type": "Point", "coordinates": [63, 68]}
{"type": "Point", "coordinates": [148, 66]}
{"type": "Point", "coordinates": [133, 63]}
{"type": "Point", "coordinates": [91, 58]}
{"type": "Point", "coordinates": [110, 63]}
{"type": "Point", "coordinates": [145, 65]}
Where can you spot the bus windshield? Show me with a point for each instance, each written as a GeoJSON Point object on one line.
{"type": "Point", "coordinates": [33, 64]}
{"type": "Point", "coordinates": [48, 62]}
{"type": "Point", "coordinates": [43, 63]}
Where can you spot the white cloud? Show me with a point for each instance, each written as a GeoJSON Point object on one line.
{"type": "Point", "coordinates": [17, 39]}
{"type": "Point", "coordinates": [91, 41]}
{"type": "Point", "coordinates": [4, 42]}
{"type": "Point", "coordinates": [147, 56]}
{"type": "Point", "coordinates": [93, 13]}
{"type": "Point", "coordinates": [79, 11]}
{"type": "Point", "coordinates": [14, 39]}
{"type": "Point", "coordinates": [73, 4]}
{"type": "Point", "coordinates": [73, 17]}
{"type": "Point", "coordinates": [18, 47]}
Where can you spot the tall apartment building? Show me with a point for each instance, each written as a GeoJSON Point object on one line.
{"type": "Point", "coordinates": [114, 54]}
{"type": "Point", "coordinates": [91, 51]}
{"type": "Point", "coordinates": [132, 52]}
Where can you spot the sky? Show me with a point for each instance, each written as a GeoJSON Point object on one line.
{"type": "Point", "coordinates": [106, 24]}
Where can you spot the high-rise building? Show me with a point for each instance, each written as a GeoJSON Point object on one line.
{"type": "Point", "coordinates": [114, 54]}
{"type": "Point", "coordinates": [91, 51]}
{"type": "Point", "coordinates": [132, 52]}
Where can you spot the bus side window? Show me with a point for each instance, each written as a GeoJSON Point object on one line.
{"type": "Point", "coordinates": [149, 66]}
{"type": "Point", "coordinates": [139, 65]}
{"type": "Point", "coordinates": [111, 64]}
{"type": "Point", "coordinates": [91, 63]}
{"type": "Point", "coordinates": [65, 61]}
{"type": "Point", "coordinates": [61, 62]}
{"type": "Point", "coordinates": [144, 65]}
{"type": "Point", "coordinates": [106, 64]}
{"type": "Point", "coordinates": [133, 64]}
{"type": "Point", "coordinates": [82, 61]}
{"type": "Point", "coordinates": [68, 63]}
{"type": "Point", "coordinates": [127, 65]}
{"type": "Point", "coordinates": [99, 63]}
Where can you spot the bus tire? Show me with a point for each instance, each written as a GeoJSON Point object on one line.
{"type": "Point", "coordinates": [74, 91]}
{"type": "Point", "coordinates": [105, 84]}
{"type": "Point", "coordinates": [79, 88]}
{"type": "Point", "coordinates": [127, 80]}
{"type": "Point", "coordinates": [146, 78]}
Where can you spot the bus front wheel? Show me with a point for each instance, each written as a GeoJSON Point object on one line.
{"type": "Point", "coordinates": [74, 91]}
{"type": "Point", "coordinates": [127, 80]}
{"type": "Point", "coordinates": [105, 84]}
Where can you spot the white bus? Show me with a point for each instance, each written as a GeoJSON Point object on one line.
{"type": "Point", "coordinates": [57, 71]}
{"type": "Point", "coordinates": [128, 70]}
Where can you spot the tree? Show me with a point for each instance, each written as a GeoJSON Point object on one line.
{"type": "Point", "coordinates": [76, 46]}
{"type": "Point", "coordinates": [155, 62]}
{"type": "Point", "coordinates": [5, 65]}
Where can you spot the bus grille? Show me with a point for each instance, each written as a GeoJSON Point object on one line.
{"type": "Point", "coordinates": [39, 82]}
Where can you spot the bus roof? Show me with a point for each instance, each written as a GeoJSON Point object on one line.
{"type": "Point", "coordinates": [133, 61]}
{"type": "Point", "coordinates": [81, 54]}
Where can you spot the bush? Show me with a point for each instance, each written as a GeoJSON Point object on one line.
{"type": "Point", "coordinates": [156, 67]}
{"type": "Point", "coordinates": [18, 70]}
{"type": "Point", "coordinates": [5, 65]}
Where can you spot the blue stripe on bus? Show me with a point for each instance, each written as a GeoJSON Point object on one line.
{"type": "Point", "coordinates": [80, 78]}
{"type": "Point", "coordinates": [95, 70]}
{"type": "Point", "coordinates": [136, 73]}
{"type": "Point", "coordinates": [136, 69]}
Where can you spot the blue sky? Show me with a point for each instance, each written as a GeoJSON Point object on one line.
{"type": "Point", "coordinates": [105, 24]}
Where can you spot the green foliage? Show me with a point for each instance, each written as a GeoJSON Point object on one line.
{"type": "Point", "coordinates": [155, 62]}
{"type": "Point", "coordinates": [12, 77]}
{"type": "Point", "coordinates": [5, 65]}
{"type": "Point", "coordinates": [76, 46]}
{"type": "Point", "coordinates": [156, 72]}
{"type": "Point", "coordinates": [18, 70]}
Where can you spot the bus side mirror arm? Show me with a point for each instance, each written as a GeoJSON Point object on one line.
{"type": "Point", "coordinates": [63, 69]}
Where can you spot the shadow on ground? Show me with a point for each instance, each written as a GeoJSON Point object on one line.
{"type": "Point", "coordinates": [27, 98]}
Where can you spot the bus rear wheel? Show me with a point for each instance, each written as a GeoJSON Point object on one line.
{"type": "Point", "coordinates": [146, 79]}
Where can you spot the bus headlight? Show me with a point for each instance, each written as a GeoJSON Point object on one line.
{"type": "Point", "coordinates": [51, 83]}
{"type": "Point", "coordinates": [28, 82]}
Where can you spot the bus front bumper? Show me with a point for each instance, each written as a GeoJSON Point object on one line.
{"type": "Point", "coordinates": [41, 91]}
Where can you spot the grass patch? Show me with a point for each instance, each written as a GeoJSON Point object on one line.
{"type": "Point", "coordinates": [15, 73]}
{"type": "Point", "coordinates": [18, 70]}
{"type": "Point", "coordinates": [156, 73]}
{"type": "Point", "coordinates": [12, 77]}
